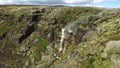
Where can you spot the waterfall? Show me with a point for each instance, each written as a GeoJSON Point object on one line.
{"type": "Point", "coordinates": [62, 39]}
{"type": "Point", "coordinates": [68, 31]}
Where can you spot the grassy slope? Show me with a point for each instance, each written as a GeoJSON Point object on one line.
{"type": "Point", "coordinates": [29, 51]}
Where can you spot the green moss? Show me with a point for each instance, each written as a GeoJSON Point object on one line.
{"type": "Point", "coordinates": [42, 44]}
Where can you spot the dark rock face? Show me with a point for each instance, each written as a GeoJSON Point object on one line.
{"type": "Point", "coordinates": [79, 35]}
{"type": "Point", "coordinates": [3, 36]}
{"type": "Point", "coordinates": [28, 32]}
{"type": "Point", "coordinates": [35, 16]}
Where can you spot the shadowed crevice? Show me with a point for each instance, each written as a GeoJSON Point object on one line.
{"type": "Point", "coordinates": [3, 36]}
{"type": "Point", "coordinates": [27, 33]}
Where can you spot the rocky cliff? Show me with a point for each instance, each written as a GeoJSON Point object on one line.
{"type": "Point", "coordinates": [59, 37]}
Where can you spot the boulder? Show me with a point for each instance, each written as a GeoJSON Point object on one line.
{"type": "Point", "coordinates": [111, 47]}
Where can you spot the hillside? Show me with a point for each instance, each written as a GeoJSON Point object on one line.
{"type": "Point", "coordinates": [31, 37]}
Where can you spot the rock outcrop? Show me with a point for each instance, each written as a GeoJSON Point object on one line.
{"type": "Point", "coordinates": [30, 37]}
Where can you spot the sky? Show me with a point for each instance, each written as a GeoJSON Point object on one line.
{"type": "Point", "coordinates": [94, 3]}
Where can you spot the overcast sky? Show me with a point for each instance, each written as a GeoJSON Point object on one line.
{"type": "Point", "coordinates": [95, 3]}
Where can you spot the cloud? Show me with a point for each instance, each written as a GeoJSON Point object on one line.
{"type": "Point", "coordinates": [59, 2]}
{"type": "Point", "coordinates": [32, 2]}
{"type": "Point", "coordinates": [47, 1]}
{"type": "Point", "coordinates": [77, 1]}
{"type": "Point", "coordinates": [44, 1]}
{"type": "Point", "coordinates": [97, 1]}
